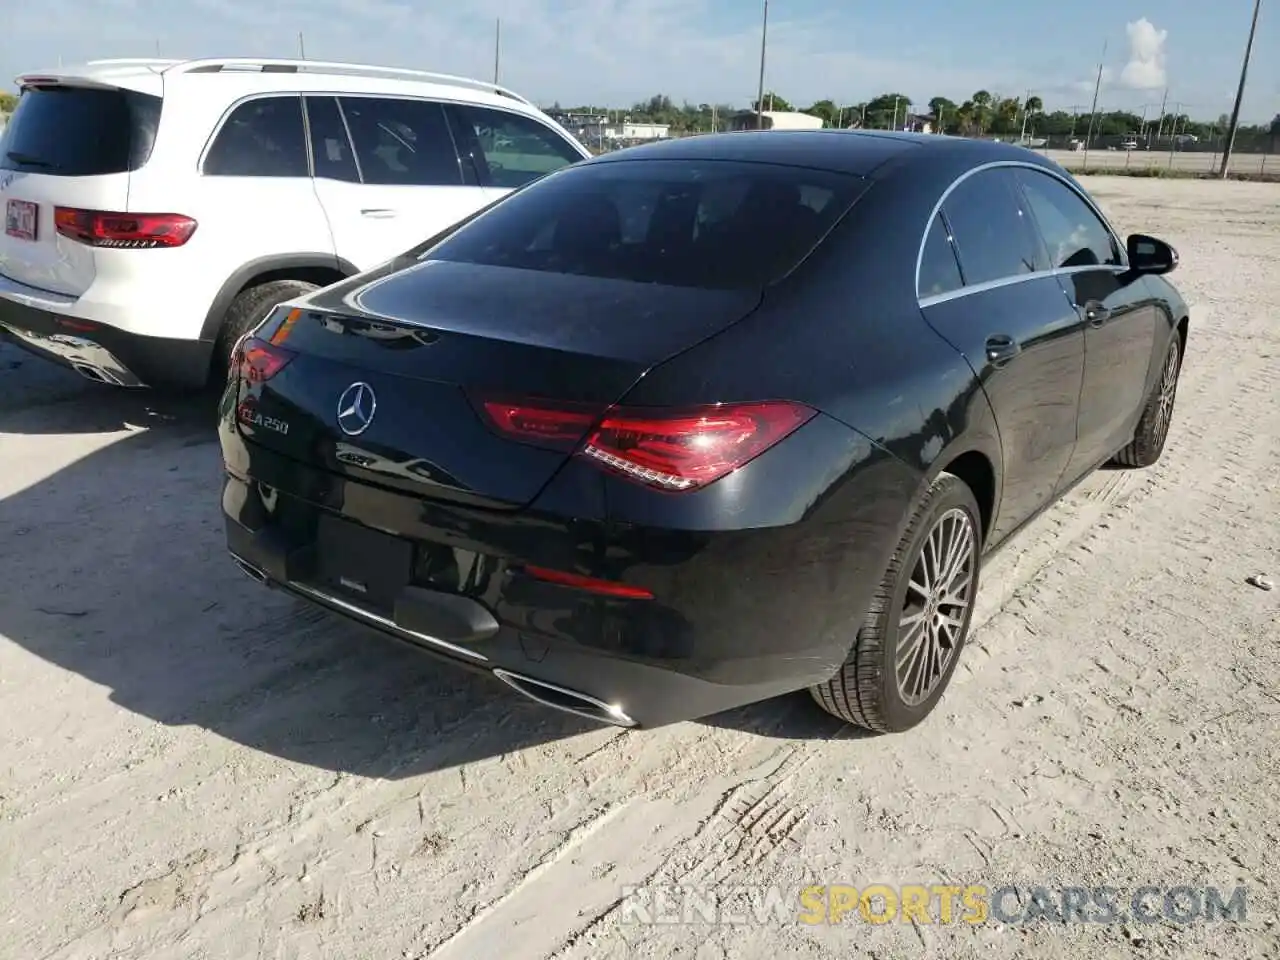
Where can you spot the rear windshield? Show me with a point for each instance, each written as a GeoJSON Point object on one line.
{"type": "Point", "coordinates": [710, 224]}
{"type": "Point", "coordinates": [80, 132]}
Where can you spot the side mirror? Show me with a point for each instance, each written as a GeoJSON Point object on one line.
{"type": "Point", "coordinates": [1149, 255]}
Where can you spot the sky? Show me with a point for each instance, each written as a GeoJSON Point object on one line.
{"type": "Point", "coordinates": [617, 52]}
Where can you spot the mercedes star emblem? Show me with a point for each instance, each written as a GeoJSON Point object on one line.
{"type": "Point", "coordinates": [356, 408]}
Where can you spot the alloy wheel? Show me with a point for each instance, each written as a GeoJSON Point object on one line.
{"type": "Point", "coordinates": [1168, 388]}
{"type": "Point", "coordinates": [935, 609]}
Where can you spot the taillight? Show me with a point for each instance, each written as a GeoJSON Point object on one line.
{"type": "Point", "coordinates": [692, 448]}
{"type": "Point", "coordinates": [257, 361]}
{"type": "Point", "coordinates": [136, 231]}
{"type": "Point", "coordinates": [542, 423]}
{"type": "Point", "coordinates": [675, 450]}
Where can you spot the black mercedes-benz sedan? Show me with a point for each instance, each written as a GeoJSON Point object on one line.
{"type": "Point", "coordinates": [699, 423]}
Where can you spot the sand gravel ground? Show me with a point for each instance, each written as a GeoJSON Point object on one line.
{"type": "Point", "coordinates": [193, 767]}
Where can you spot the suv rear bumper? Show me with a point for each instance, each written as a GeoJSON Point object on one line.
{"type": "Point", "coordinates": [101, 352]}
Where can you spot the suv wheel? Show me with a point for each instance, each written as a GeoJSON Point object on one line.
{"type": "Point", "coordinates": [250, 307]}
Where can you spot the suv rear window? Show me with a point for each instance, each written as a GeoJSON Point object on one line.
{"type": "Point", "coordinates": [80, 131]}
{"type": "Point", "coordinates": [710, 224]}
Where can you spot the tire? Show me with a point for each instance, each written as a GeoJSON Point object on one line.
{"type": "Point", "coordinates": [867, 690]}
{"type": "Point", "coordinates": [1157, 414]}
{"type": "Point", "coordinates": [247, 310]}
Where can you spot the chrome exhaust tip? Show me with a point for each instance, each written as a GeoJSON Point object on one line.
{"type": "Point", "coordinates": [250, 571]}
{"type": "Point", "coordinates": [564, 699]}
{"type": "Point", "coordinates": [89, 372]}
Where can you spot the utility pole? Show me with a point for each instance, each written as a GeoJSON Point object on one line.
{"type": "Point", "coordinates": [1163, 101]}
{"type": "Point", "coordinates": [302, 48]}
{"type": "Point", "coordinates": [1235, 110]}
{"type": "Point", "coordinates": [764, 40]}
{"type": "Point", "coordinates": [497, 50]}
{"type": "Point", "coordinates": [1093, 111]}
{"type": "Point", "coordinates": [1022, 138]}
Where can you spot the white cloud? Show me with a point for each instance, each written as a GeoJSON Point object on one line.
{"type": "Point", "coordinates": [1145, 69]}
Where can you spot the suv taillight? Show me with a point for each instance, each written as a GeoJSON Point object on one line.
{"type": "Point", "coordinates": [133, 231]}
{"type": "Point", "coordinates": [676, 450]}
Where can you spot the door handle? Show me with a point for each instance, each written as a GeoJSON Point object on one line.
{"type": "Point", "coordinates": [381, 213]}
{"type": "Point", "coordinates": [1001, 348]}
{"type": "Point", "coordinates": [1096, 313]}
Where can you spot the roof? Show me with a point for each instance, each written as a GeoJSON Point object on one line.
{"type": "Point", "coordinates": [150, 75]}
{"type": "Point", "coordinates": [856, 152]}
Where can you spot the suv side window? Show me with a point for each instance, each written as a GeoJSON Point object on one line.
{"type": "Point", "coordinates": [1072, 232]}
{"type": "Point", "coordinates": [991, 229]}
{"type": "Point", "coordinates": [939, 269]}
{"type": "Point", "coordinates": [402, 142]}
{"type": "Point", "coordinates": [512, 148]}
{"type": "Point", "coordinates": [263, 137]}
{"type": "Point", "coordinates": [331, 153]}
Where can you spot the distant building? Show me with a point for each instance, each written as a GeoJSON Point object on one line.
{"type": "Point", "coordinates": [577, 123]}
{"type": "Point", "coordinates": [918, 123]}
{"type": "Point", "coordinates": [625, 131]}
{"type": "Point", "coordinates": [775, 120]}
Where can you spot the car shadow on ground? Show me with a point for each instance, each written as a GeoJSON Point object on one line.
{"type": "Point", "coordinates": [115, 568]}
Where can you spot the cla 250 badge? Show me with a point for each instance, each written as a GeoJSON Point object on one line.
{"type": "Point", "coordinates": [248, 414]}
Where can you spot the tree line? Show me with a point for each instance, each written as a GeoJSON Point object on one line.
{"type": "Point", "coordinates": [983, 114]}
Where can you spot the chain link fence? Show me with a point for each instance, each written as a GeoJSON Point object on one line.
{"type": "Point", "coordinates": [1154, 157]}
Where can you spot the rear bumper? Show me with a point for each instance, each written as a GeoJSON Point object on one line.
{"type": "Point", "coordinates": [736, 617]}
{"type": "Point", "coordinates": [105, 353]}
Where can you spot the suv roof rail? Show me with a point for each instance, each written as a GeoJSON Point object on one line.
{"type": "Point", "coordinates": [133, 62]}
{"type": "Point", "coordinates": [249, 64]}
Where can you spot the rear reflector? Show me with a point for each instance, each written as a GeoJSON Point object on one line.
{"type": "Point", "coordinates": [134, 231]}
{"type": "Point", "coordinates": [607, 588]}
{"type": "Point", "coordinates": [257, 361]}
{"type": "Point", "coordinates": [675, 450]}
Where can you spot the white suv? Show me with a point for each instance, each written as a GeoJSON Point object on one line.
{"type": "Point", "coordinates": [154, 210]}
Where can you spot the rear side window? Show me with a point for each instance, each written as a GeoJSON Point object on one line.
{"type": "Point", "coordinates": [939, 270]}
{"type": "Point", "coordinates": [1071, 230]}
{"type": "Point", "coordinates": [711, 224]}
{"type": "Point", "coordinates": [263, 137]}
{"type": "Point", "coordinates": [331, 154]}
{"type": "Point", "coordinates": [402, 142]}
{"type": "Point", "coordinates": [511, 150]}
{"type": "Point", "coordinates": [991, 229]}
{"type": "Point", "coordinates": [80, 132]}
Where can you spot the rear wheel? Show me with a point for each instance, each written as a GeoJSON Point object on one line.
{"type": "Point", "coordinates": [1153, 426]}
{"type": "Point", "coordinates": [250, 307]}
{"type": "Point", "coordinates": [908, 646]}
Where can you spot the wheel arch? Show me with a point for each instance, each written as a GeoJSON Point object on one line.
{"type": "Point", "coordinates": [319, 268]}
{"type": "Point", "coordinates": [977, 471]}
